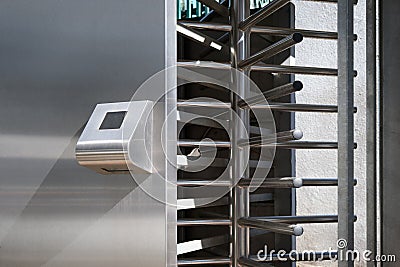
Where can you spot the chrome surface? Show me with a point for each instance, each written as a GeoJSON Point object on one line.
{"type": "Point", "coordinates": [271, 50]}
{"type": "Point", "coordinates": [108, 151]}
{"type": "Point", "coordinates": [275, 227]}
{"type": "Point", "coordinates": [275, 183]}
{"type": "Point", "coordinates": [270, 68]}
{"type": "Point", "coordinates": [264, 12]}
{"type": "Point", "coordinates": [273, 93]}
{"type": "Point", "coordinates": [203, 222]}
{"type": "Point", "coordinates": [239, 204]}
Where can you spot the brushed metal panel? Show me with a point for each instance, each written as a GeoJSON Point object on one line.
{"type": "Point", "coordinates": [59, 59]}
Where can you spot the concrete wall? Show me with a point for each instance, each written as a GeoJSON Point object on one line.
{"type": "Point", "coordinates": [323, 163]}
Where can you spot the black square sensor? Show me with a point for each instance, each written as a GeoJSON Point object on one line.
{"type": "Point", "coordinates": [113, 120]}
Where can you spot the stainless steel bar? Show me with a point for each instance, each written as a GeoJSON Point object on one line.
{"type": "Point", "coordinates": [371, 124]}
{"type": "Point", "coordinates": [288, 145]}
{"type": "Point", "coordinates": [266, 68]}
{"type": "Point", "coordinates": [197, 143]}
{"type": "Point", "coordinates": [302, 219]}
{"type": "Point", "coordinates": [240, 199]}
{"type": "Point", "coordinates": [345, 120]}
{"type": "Point", "coordinates": [272, 50]}
{"type": "Point", "coordinates": [271, 139]}
{"type": "Point", "coordinates": [220, 9]}
{"type": "Point", "coordinates": [288, 182]}
{"type": "Point", "coordinates": [345, 126]}
{"type": "Point", "coordinates": [283, 90]}
{"type": "Point", "coordinates": [200, 261]}
{"type": "Point", "coordinates": [275, 227]}
{"type": "Point", "coordinates": [287, 107]}
{"type": "Point", "coordinates": [309, 145]}
{"type": "Point", "coordinates": [297, 70]}
{"type": "Point", "coordinates": [203, 222]}
{"type": "Point", "coordinates": [271, 94]}
{"type": "Point", "coordinates": [262, 14]}
{"type": "Point", "coordinates": [184, 103]}
{"type": "Point", "coordinates": [203, 183]}
{"type": "Point", "coordinates": [207, 26]}
{"type": "Point", "coordinates": [245, 262]}
{"type": "Point", "coordinates": [322, 182]}
{"type": "Point", "coordinates": [278, 31]}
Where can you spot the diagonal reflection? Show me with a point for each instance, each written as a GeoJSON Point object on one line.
{"type": "Point", "coordinates": [69, 200]}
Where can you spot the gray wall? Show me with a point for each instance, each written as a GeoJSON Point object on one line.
{"type": "Point", "coordinates": [390, 127]}
{"type": "Point", "coordinates": [58, 60]}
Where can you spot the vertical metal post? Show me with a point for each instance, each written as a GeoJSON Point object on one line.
{"type": "Point", "coordinates": [371, 131]}
{"type": "Point", "coordinates": [240, 42]}
{"type": "Point", "coordinates": [345, 128]}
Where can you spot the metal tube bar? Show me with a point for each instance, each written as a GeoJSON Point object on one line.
{"type": "Point", "coordinates": [271, 94]}
{"type": "Point", "coordinates": [288, 145]}
{"type": "Point", "coordinates": [203, 183]}
{"type": "Point", "coordinates": [184, 103]}
{"type": "Point", "coordinates": [322, 182]}
{"type": "Point", "coordinates": [262, 14]}
{"type": "Point", "coordinates": [287, 107]}
{"type": "Point", "coordinates": [278, 137]}
{"type": "Point", "coordinates": [283, 90]}
{"type": "Point", "coordinates": [196, 143]}
{"type": "Point", "coordinates": [240, 198]}
{"type": "Point", "coordinates": [297, 70]}
{"type": "Point", "coordinates": [203, 222]}
{"type": "Point", "coordinates": [345, 120]}
{"type": "Point", "coordinates": [275, 227]}
{"type": "Point", "coordinates": [198, 261]}
{"type": "Point", "coordinates": [371, 68]}
{"type": "Point", "coordinates": [278, 31]}
{"type": "Point", "coordinates": [288, 182]}
{"type": "Point", "coordinates": [272, 50]}
{"type": "Point", "coordinates": [214, 5]}
{"type": "Point", "coordinates": [207, 26]}
{"type": "Point", "coordinates": [309, 145]}
{"type": "Point", "coordinates": [282, 69]}
{"type": "Point", "coordinates": [302, 219]}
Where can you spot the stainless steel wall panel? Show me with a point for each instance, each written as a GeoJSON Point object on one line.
{"type": "Point", "coordinates": [58, 60]}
